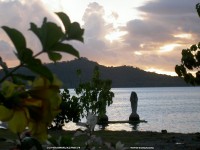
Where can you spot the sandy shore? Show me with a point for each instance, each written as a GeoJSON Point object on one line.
{"type": "Point", "coordinates": [166, 141]}
{"type": "Point", "coordinates": [131, 140]}
{"type": "Point", "coordinates": [149, 140]}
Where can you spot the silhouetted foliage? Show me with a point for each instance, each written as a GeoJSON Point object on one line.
{"type": "Point", "coordinates": [190, 62]}
{"type": "Point", "coordinates": [92, 96]}
{"type": "Point", "coordinates": [71, 110]}
{"type": "Point", "coordinates": [95, 95]}
{"type": "Point", "coordinates": [121, 76]}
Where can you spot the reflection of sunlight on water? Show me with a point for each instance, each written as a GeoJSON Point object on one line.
{"type": "Point", "coordinates": [72, 126]}
{"type": "Point", "coordinates": [175, 109]}
{"type": "Point", "coordinates": [111, 127]}
{"type": "Point", "coordinates": [119, 127]}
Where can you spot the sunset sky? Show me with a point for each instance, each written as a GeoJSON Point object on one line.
{"type": "Point", "coordinates": [148, 34]}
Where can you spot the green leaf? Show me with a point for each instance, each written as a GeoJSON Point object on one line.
{"type": "Point", "coordinates": [36, 66]}
{"type": "Point", "coordinates": [26, 56]}
{"type": "Point", "coordinates": [42, 70]}
{"type": "Point", "coordinates": [17, 38]}
{"type": "Point", "coordinates": [6, 114]}
{"type": "Point", "coordinates": [75, 32]}
{"type": "Point", "coordinates": [49, 34]}
{"type": "Point", "coordinates": [54, 34]}
{"type": "Point", "coordinates": [54, 56]}
{"type": "Point", "coordinates": [67, 48]}
{"type": "Point", "coordinates": [15, 125]}
{"type": "Point", "coordinates": [38, 32]}
{"type": "Point", "coordinates": [65, 20]}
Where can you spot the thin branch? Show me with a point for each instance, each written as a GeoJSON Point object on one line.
{"type": "Point", "coordinates": [17, 67]}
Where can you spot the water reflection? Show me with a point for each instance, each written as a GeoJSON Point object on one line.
{"type": "Point", "coordinates": [103, 127]}
{"type": "Point", "coordinates": [111, 127]}
{"type": "Point", "coordinates": [135, 126]}
{"type": "Point", "coordinates": [119, 127]}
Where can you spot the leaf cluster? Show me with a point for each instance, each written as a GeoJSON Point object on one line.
{"type": "Point", "coordinates": [93, 96]}
{"type": "Point", "coordinates": [71, 110]}
{"type": "Point", "coordinates": [190, 62]}
{"type": "Point", "coordinates": [53, 41]}
{"type": "Point", "coordinates": [36, 107]}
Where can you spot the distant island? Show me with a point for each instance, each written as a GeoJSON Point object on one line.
{"type": "Point", "coordinates": [121, 76]}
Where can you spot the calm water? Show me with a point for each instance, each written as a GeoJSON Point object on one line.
{"type": "Point", "coordinates": [176, 109]}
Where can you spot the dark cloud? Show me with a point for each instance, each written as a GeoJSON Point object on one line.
{"type": "Point", "coordinates": [140, 47]}
{"type": "Point", "coordinates": [169, 7]}
{"type": "Point", "coordinates": [140, 31]}
{"type": "Point", "coordinates": [178, 15]}
{"type": "Point", "coordinates": [161, 21]}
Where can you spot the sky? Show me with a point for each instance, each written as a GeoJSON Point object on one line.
{"type": "Point", "coordinates": [147, 34]}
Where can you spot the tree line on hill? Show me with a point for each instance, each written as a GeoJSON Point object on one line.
{"type": "Point", "coordinates": [121, 76]}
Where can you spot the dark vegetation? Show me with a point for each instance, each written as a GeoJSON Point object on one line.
{"type": "Point", "coordinates": [129, 139]}
{"type": "Point", "coordinates": [122, 76]}
{"type": "Point", "coordinates": [91, 96]}
{"type": "Point", "coordinates": [190, 62]}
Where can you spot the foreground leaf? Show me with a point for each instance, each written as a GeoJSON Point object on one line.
{"type": "Point", "coordinates": [41, 70]}
{"type": "Point", "coordinates": [49, 34]}
{"type": "Point", "coordinates": [17, 38]}
{"type": "Point", "coordinates": [54, 56]}
{"type": "Point", "coordinates": [66, 48]}
{"type": "Point", "coordinates": [18, 122]}
{"type": "Point", "coordinates": [73, 30]}
{"type": "Point", "coordinates": [6, 114]}
{"type": "Point", "coordinates": [65, 20]}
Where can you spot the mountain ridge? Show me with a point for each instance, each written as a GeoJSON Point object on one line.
{"type": "Point", "coordinates": [121, 76]}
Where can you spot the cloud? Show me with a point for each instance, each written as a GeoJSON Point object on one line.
{"type": "Point", "coordinates": [163, 19]}
{"type": "Point", "coordinates": [18, 14]}
{"type": "Point", "coordinates": [163, 22]}
{"type": "Point", "coordinates": [169, 7]}
{"type": "Point", "coordinates": [96, 28]}
{"type": "Point", "coordinates": [6, 49]}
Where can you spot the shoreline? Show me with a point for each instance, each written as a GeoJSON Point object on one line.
{"type": "Point", "coordinates": [147, 139]}
{"type": "Point", "coordinates": [130, 139]}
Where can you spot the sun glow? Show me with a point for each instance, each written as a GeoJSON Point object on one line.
{"type": "Point", "coordinates": [168, 47]}
{"type": "Point", "coordinates": [160, 71]}
{"type": "Point", "coordinates": [184, 36]}
{"type": "Point", "coordinates": [138, 53]}
{"type": "Point", "coordinates": [115, 36]}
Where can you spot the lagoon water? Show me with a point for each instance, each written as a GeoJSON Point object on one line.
{"type": "Point", "coordinates": [175, 109]}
